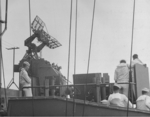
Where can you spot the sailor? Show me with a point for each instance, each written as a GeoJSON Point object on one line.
{"type": "Point", "coordinates": [143, 102]}
{"type": "Point", "coordinates": [122, 76]}
{"type": "Point", "coordinates": [136, 60]}
{"type": "Point", "coordinates": [25, 80]}
{"type": "Point", "coordinates": [118, 99]}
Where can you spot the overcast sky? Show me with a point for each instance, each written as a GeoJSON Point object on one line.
{"type": "Point", "coordinates": [111, 33]}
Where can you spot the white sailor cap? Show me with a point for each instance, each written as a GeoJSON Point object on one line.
{"type": "Point", "coordinates": [26, 63]}
{"type": "Point", "coordinates": [145, 89]}
{"type": "Point", "coordinates": [105, 102]}
{"type": "Point", "coordinates": [116, 85]}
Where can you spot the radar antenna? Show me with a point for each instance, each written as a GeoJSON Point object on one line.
{"type": "Point", "coordinates": [42, 36]}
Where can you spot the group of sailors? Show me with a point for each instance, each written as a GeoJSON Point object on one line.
{"type": "Point", "coordinates": [121, 75]}
{"type": "Point", "coordinates": [121, 86]}
{"type": "Point", "coordinates": [121, 100]}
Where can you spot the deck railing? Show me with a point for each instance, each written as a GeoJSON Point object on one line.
{"type": "Point", "coordinates": [75, 90]}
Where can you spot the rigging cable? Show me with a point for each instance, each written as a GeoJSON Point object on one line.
{"type": "Point", "coordinates": [30, 17]}
{"type": "Point", "coordinates": [75, 54]}
{"type": "Point", "coordinates": [69, 48]}
{"type": "Point", "coordinates": [130, 72]}
{"type": "Point", "coordinates": [89, 55]}
{"type": "Point", "coordinates": [7, 43]}
{"type": "Point", "coordinates": [30, 35]}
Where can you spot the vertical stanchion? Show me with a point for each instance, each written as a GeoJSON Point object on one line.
{"type": "Point", "coordinates": [0, 55]}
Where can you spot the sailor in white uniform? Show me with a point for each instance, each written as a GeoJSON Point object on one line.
{"type": "Point", "coordinates": [143, 102]}
{"type": "Point", "coordinates": [118, 99]}
{"type": "Point", "coordinates": [25, 80]}
{"type": "Point", "coordinates": [122, 76]}
{"type": "Point", "coordinates": [136, 60]}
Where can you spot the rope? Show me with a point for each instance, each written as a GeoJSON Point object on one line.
{"type": "Point", "coordinates": [30, 17]}
{"type": "Point", "coordinates": [7, 43]}
{"type": "Point", "coordinates": [75, 52]}
{"type": "Point", "coordinates": [69, 52]}
{"type": "Point", "coordinates": [30, 35]}
{"type": "Point", "coordinates": [130, 73]}
{"type": "Point", "coordinates": [89, 54]}
{"type": "Point", "coordinates": [6, 14]}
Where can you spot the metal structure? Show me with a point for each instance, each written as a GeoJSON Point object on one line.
{"type": "Point", "coordinates": [55, 106]}
{"type": "Point", "coordinates": [38, 26]}
{"type": "Point", "coordinates": [1, 58]}
{"type": "Point", "coordinates": [0, 54]}
{"type": "Point", "coordinates": [41, 69]}
{"type": "Point", "coordinates": [42, 36]}
{"type": "Point", "coordinates": [12, 80]}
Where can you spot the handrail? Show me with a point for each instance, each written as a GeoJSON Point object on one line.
{"type": "Point", "coordinates": [75, 88]}
{"type": "Point", "coordinates": [90, 84]}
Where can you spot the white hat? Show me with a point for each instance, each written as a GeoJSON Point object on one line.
{"type": "Point", "coordinates": [105, 102]}
{"type": "Point", "coordinates": [26, 63]}
{"type": "Point", "coordinates": [116, 85]}
{"type": "Point", "coordinates": [145, 89]}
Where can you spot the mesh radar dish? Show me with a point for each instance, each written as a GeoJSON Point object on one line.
{"type": "Point", "coordinates": [37, 24]}
{"type": "Point", "coordinates": [37, 27]}
{"type": "Point", "coordinates": [49, 41]}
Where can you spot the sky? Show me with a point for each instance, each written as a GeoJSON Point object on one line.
{"type": "Point", "coordinates": [111, 39]}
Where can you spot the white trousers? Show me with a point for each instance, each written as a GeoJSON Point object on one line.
{"type": "Point", "coordinates": [124, 89]}
{"type": "Point", "coordinates": [27, 91]}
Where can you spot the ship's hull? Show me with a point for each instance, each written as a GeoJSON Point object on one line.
{"type": "Point", "coordinates": [56, 106]}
